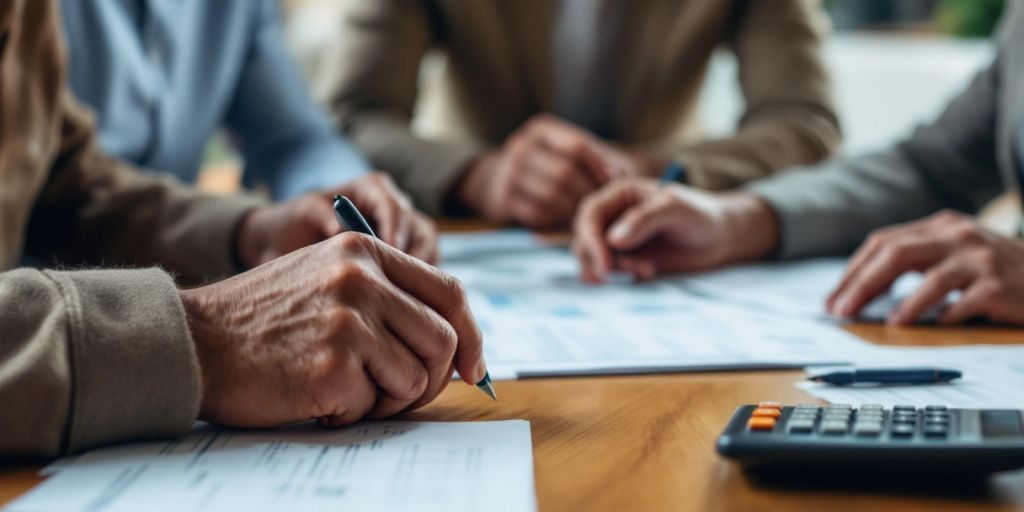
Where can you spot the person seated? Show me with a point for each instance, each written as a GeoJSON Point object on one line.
{"type": "Point", "coordinates": [907, 206]}
{"type": "Point", "coordinates": [163, 77]}
{"type": "Point", "coordinates": [345, 328]}
{"type": "Point", "coordinates": [542, 102]}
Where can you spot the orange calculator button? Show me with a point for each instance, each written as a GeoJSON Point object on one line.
{"type": "Point", "coordinates": [770, 405]}
{"type": "Point", "coordinates": [761, 423]}
{"type": "Point", "coordinates": [761, 412]}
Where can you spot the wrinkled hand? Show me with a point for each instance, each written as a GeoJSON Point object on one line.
{"type": "Point", "coordinates": [340, 330]}
{"type": "Point", "coordinates": [640, 227]}
{"type": "Point", "coordinates": [954, 253]}
{"type": "Point", "coordinates": [543, 171]}
{"type": "Point", "coordinates": [279, 229]}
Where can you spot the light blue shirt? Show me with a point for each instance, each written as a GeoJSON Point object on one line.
{"type": "Point", "coordinates": [164, 75]}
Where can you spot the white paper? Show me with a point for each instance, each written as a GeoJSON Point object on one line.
{"type": "Point", "coordinates": [800, 288]}
{"type": "Point", "coordinates": [539, 319]}
{"type": "Point", "coordinates": [380, 466]}
{"type": "Point", "coordinates": [993, 377]}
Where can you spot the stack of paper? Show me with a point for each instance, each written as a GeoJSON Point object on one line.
{"type": "Point", "coordinates": [372, 466]}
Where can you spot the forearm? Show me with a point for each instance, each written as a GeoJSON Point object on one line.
{"type": "Point", "coordinates": [428, 170]}
{"type": "Point", "coordinates": [759, 149]}
{"type": "Point", "coordinates": [90, 358]}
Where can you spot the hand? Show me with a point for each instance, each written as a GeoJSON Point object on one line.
{"type": "Point", "coordinates": [276, 230]}
{"type": "Point", "coordinates": [658, 229]}
{"type": "Point", "coordinates": [538, 177]}
{"type": "Point", "coordinates": [340, 330]}
{"type": "Point", "coordinates": [954, 253]}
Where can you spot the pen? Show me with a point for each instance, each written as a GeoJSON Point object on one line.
{"type": "Point", "coordinates": [351, 220]}
{"type": "Point", "coordinates": [674, 172]}
{"type": "Point", "coordinates": [888, 376]}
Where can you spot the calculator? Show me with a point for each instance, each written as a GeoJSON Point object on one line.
{"type": "Point", "coordinates": [904, 438]}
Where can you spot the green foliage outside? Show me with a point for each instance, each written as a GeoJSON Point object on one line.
{"type": "Point", "coordinates": [969, 18]}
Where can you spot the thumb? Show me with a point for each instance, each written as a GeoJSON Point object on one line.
{"type": "Point", "coordinates": [640, 224]}
{"type": "Point", "coordinates": [319, 216]}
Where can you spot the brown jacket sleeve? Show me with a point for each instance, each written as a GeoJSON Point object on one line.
{"type": "Point", "coordinates": [789, 118]}
{"type": "Point", "coordinates": [98, 211]}
{"type": "Point", "coordinates": [372, 93]}
{"type": "Point", "coordinates": [92, 357]}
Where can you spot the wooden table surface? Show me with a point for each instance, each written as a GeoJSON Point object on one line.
{"type": "Point", "coordinates": [647, 442]}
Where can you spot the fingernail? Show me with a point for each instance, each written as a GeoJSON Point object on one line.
{"type": "Point", "coordinates": [481, 370]}
{"type": "Point", "coordinates": [619, 232]}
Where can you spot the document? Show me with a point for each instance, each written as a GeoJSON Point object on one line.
{"type": "Point", "coordinates": [539, 319]}
{"type": "Point", "coordinates": [380, 466]}
{"type": "Point", "coordinates": [993, 377]}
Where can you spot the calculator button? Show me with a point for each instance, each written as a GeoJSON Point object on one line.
{"type": "Point", "coordinates": [833, 427]}
{"type": "Point", "coordinates": [800, 426]}
{"type": "Point", "coordinates": [807, 407]}
{"type": "Point", "coordinates": [766, 413]}
{"type": "Point", "coordinates": [871, 407]}
{"type": "Point", "coordinates": [940, 420]}
{"type": "Point", "coordinates": [761, 423]}
{"type": "Point", "coordinates": [841, 407]}
{"type": "Point", "coordinates": [909, 408]}
{"type": "Point", "coordinates": [902, 430]}
{"type": "Point", "coordinates": [935, 408]}
{"type": "Point", "coordinates": [867, 429]}
{"type": "Point", "coordinates": [870, 414]}
{"type": "Point", "coordinates": [935, 430]}
{"type": "Point", "coordinates": [769, 405]}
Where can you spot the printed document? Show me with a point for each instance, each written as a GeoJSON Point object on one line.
{"type": "Point", "coordinates": [385, 466]}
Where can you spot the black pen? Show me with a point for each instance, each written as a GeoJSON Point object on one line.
{"type": "Point", "coordinates": [888, 376]}
{"type": "Point", "coordinates": [351, 220]}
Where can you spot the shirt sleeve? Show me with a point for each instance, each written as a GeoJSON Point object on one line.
{"type": "Point", "coordinates": [286, 138]}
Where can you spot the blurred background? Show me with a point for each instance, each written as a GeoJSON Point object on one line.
{"type": "Point", "coordinates": [895, 63]}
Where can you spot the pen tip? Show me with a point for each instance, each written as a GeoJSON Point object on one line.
{"type": "Point", "coordinates": [486, 386]}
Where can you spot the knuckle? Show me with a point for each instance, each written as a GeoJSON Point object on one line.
{"type": "Point", "coordinates": [343, 321]}
{"type": "Point", "coordinates": [350, 276]}
{"type": "Point", "coordinates": [967, 232]}
{"type": "Point", "coordinates": [416, 383]}
{"type": "Point", "coordinates": [351, 241]}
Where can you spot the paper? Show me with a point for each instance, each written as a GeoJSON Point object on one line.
{"type": "Point", "coordinates": [992, 378]}
{"type": "Point", "coordinates": [539, 319]}
{"type": "Point", "coordinates": [801, 288]}
{"type": "Point", "coordinates": [383, 466]}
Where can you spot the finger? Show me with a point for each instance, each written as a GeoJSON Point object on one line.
{"type": "Point", "coordinates": [974, 302]}
{"type": "Point", "coordinates": [354, 394]}
{"type": "Point", "coordinates": [878, 273]}
{"type": "Point", "coordinates": [445, 295]}
{"type": "Point", "coordinates": [655, 259]}
{"type": "Point", "coordinates": [423, 243]}
{"type": "Point", "coordinates": [560, 173]}
{"type": "Point", "coordinates": [429, 336]}
{"type": "Point", "coordinates": [576, 143]}
{"type": "Point", "coordinates": [592, 220]}
{"type": "Point", "coordinates": [400, 374]}
{"type": "Point", "coordinates": [938, 282]}
{"type": "Point", "coordinates": [319, 215]}
{"type": "Point", "coordinates": [643, 222]}
{"type": "Point", "coordinates": [869, 249]}
{"type": "Point", "coordinates": [642, 269]}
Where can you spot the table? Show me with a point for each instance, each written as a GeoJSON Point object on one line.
{"type": "Point", "coordinates": [647, 442]}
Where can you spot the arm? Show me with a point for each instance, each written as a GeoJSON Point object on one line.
{"type": "Point", "coordinates": [790, 118]}
{"type": "Point", "coordinates": [94, 210]}
{"type": "Point", "coordinates": [285, 137]}
{"type": "Point", "coordinates": [950, 163]}
{"type": "Point", "coordinates": [92, 357]}
{"type": "Point", "coordinates": [372, 92]}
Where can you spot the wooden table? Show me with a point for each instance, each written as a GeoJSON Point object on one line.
{"type": "Point", "coordinates": [647, 442]}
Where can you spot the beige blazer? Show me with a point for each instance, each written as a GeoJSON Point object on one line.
{"type": "Point", "coordinates": [89, 357]}
{"type": "Point", "coordinates": [499, 72]}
